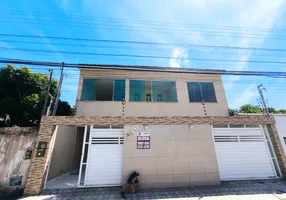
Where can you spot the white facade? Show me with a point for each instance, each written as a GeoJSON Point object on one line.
{"type": "Point", "coordinates": [281, 128]}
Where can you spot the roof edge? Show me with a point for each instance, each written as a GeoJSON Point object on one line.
{"type": "Point", "coordinates": [151, 68]}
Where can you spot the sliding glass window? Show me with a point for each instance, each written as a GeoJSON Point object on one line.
{"type": "Point", "coordinates": [103, 90]}
{"type": "Point", "coordinates": [201, 92]}
{"type": "Point", "coordinates": [155, 91]}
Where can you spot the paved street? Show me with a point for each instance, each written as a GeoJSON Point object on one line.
{"type": "Point", "coordinates": [260, 190]}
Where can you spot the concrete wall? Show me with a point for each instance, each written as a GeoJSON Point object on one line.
{"type": "Point", "coordinates": [14, 142]}
{"type": "Point", "coordinates": [181, 108]}
{"type": "Point", "coordinates": [281, 128]}
{"type": "Point", "coordinates": [178, 157]}
{"type": "Point", "coordinates": [63, 153]}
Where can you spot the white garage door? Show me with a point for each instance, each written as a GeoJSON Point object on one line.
{"type": "Point", "coordinates": [104, 163]}
{"type": "Point", "coordinates": [243, 154]}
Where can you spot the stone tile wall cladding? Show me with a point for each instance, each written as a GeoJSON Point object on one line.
{"type": "Point", "coordinates": [178, 157]}
{"type": "Point", "coordinates": [38, 166]}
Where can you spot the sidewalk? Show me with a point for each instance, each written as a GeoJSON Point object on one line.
{"type": "Point", "coordinates": [237, 190]}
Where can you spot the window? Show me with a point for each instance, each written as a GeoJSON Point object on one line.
{"type": "Point", "coordinates": [284, 139]}
{"type": "Point", "coordinates": [15, 181]}
{"type": "Point", "coordinates": [251, 125]}
{"type": "Point", "coordinates": [155, 91]}
{"type": "Point", "coordinates": [159, 98]}
{"type": "Point", "coordinates": [103, 90]}
{"type": "Point", "coordinates": [220, 126]}
{"type": "Point", "coordinates": [201, 92]}
{"type": "Point", "coordinates": [148, 97]}
{"type": "Point", "coordinates": [236, 126]}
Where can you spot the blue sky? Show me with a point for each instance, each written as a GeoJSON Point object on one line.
{"type": "Point", "coordinates": [200, 22]}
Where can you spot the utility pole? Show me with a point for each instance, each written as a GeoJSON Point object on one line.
{"type": "Point", "coordinates": [264, 106]}
{"type": "Point", "coordinates": [59, 90]}
{"type": "Point", "coordinates": [47, 92]}
{"type": "Point", "coordinates": [50, 105]}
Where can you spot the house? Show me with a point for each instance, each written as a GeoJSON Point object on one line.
{"type": "Point", "coordinates": [171, 125]}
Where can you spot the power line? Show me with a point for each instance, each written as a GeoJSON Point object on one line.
{"type": "Point", "coordinates": [161, 69]}
{"type": "Point", "coordinates": [122, 20]}
{"type": "Point", "coordinates": [141, 42]}
{"type": "Point", "coordinates": [156, 30]}
{"type": "Point", "coordinates": [139, 49]}
{"type": "Point", "coordinates": [141, 56]}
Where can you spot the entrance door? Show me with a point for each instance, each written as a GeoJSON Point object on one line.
{"type": "Point", "coordinates": [243, 154]}
{"type": "Point", "coordinates": [104, 158]}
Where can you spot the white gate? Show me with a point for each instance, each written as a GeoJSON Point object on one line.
{"type": "Point", "coordinates": [104, 158]}
{"type": "Point", "coordinates": [243, 154]}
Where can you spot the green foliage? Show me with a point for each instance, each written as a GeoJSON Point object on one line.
{"type": "Point", "coordinates": [22, 95]}
{"type": "Point", "coordinates": [232, 112]}
{"type": "Point", "coordinates": [282, 111]}
{"type": "Point", "coordinates": [64, 109]}
{"type": "Point", "coordinates": [272, 110]}
{"type": "Point", "coordinates": [247, 108]}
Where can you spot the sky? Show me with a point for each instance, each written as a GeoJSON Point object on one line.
{"type": "Point", "coordinates": [186, 25]}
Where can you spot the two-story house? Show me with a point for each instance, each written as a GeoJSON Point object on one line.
{"type": "Point", "coordinates": [171, 125]}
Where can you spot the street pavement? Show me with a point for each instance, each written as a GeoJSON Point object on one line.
{"type": "Point", "coordinates": [234, 190]}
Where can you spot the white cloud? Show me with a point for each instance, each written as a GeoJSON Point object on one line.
{"type": "Point", "coordinates": [225, 16]}
{"type": "Point", "coordinates": [262, 14]}
{"type": "Point", "coordinates": [179, 57]}
{"type": "Point", "coordinates": [64, 5]}
{"type": "Point", "coordinates": [245, 97]}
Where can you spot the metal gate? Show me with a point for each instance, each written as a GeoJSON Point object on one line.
{"type": "Point", "coordinates": [243, 153]}
{"type": "Point", "coordinates": [102, 162]}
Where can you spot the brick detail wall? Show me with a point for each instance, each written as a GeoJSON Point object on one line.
{"type": "Point", "coordinates": [277, 146]}
{"type": "Point", "coordinates": [39, 165]}
{"type": "Point", "coordinates": [37, 170]}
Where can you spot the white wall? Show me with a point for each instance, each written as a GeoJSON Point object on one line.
{"type": "Point", "coordinates": [63, 152]}
{"type": "Point", "coordinates": [281, 128]}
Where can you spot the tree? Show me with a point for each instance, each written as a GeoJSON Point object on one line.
{"type": "Point", "coordinates": [282, 111]}
{"type": "Point", "coordinates": [247, 108]}
{"type": "Point", "coordinates": [64, 109]}
{"type": "Point", "coordinates": [272, 110]}
{"type": "Point", "coordinates": [232, 112]}
{"type": "Point", "coordinates": [22, 95]}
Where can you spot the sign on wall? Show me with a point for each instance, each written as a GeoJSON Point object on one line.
{"type": "Point", "coordinates": [143, 140]}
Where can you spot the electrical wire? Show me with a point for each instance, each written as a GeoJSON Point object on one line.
{"type": "Point", "coordinates": [116, 20]}
{"type": "Point", "coordinates": [140, 42]}
{"type": "Point", "coordinates": [237, 53]}
{"type": "Point", "coordinates": [106, 67]}
{"type": "Point", "coordinates": [140, 56]}
{"type": "Point", "coordinates": [153, 30]}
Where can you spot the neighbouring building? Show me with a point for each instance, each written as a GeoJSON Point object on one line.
{"type": "Point", "coordinates": [16, 146]}
{"type": "Point", "coordinates": [171, 125]}
{"type": "Point", "coordinates": [281, 128]}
